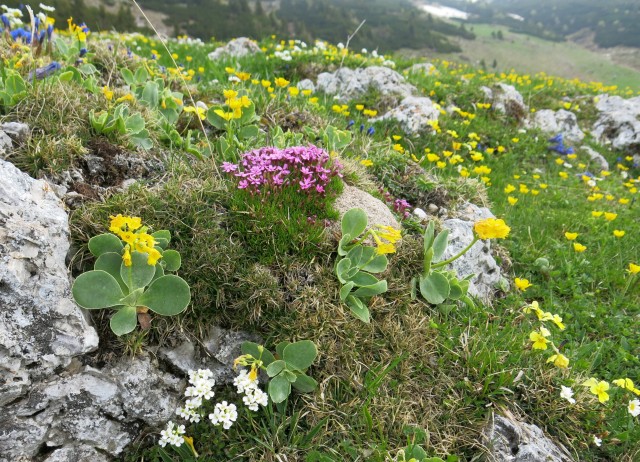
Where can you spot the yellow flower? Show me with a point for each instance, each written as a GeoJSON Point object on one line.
{"type": "Point", "coordinates": [243, 76]}
{"type": "Point", "coordinates": [154, 256]}
{"type": "Point", "coordinates": [229, 94]}
{"type": "Point", "coordinates": [389, 233]}
{"type": "Point", "coordinates": [522, 284]}
{"type": "Point", "coordinates": [126, 257]}
{"type": "Point", "coordinates": [512, 200]}
{"type": "Point", "coordinates": [618, 232]}
{"type": "Point", "coordinates": [383, 249]}
{"type": "Point", "coordinates": [196, 110]}
{"type": "Point", "coordinates": [441, 164]}
{"type": "Point", "coordinates": [509, 189]}
{"type": "Point", "coordinates": [598, 388]}
{"type": "Point", "coordinates": [491, 228]}
{"type": "Point", "coordinates": [610, 216]}
{"type": "Point", "coordinates": [557, 320]}
{"type": "Point", "coordinates": [253, 374]}
{"type": "Point", "coordinates": [366, 162]}
{"type": "Point", "coordinates": [633, 268]}
{"type": "Point", "coordinates": [596, 213]}
{"type": "Point", "coordinates": [265, 83]}
{"type": "Point", "coordinates": [433, 157]}
{"type": "Point", "coordinates": [623, 201]}
{"type": "Point", "coordinates": [396, 137]}
{"type": "Point", "coordinates": [579, 247]}
{"type": "Point", "coordinates": [359, 107]}
{"type": "Point", "coordinates": [294, 91]}
{"type": "Point", "coordinates": [281, 82]}
{"type": "Point", "coordinates": [533, 307]}
{"type": "Point", "coordinates": [223, 114]}
{"type": "Point", "coordinates": [398, 148]}
{"type": "Point", "coordinates": [127, 97]}
{"type": "Point", "coordinates": [229, 70]}
{"type": "Point", "coordinates": [370, 112]}
{"type": "Point", "coordinates": [625, 383]}
{"type": "Point", "coordinates": [563, 175]}
{"type": "Point", "coordinates": [543, 186]}
{"type": "Point", "coordinates": [108, 94]}
{"type": "Point", "coordinates": [559, 360]}
{"type": "Point", "coordinates": [539, 338]}
{"type": "Point", "coordinates": [571, 236]}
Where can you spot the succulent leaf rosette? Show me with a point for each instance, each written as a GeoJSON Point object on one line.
{"type": "Point", "coordinates": [129, 275]}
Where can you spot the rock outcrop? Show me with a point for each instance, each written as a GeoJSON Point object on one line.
{"type": "Point", "coordinates": [508, 440]}
{"type": "Point", "coordinates": [412, 114]}
{"type": "Point", "coordinates": [236, 48]}
{"type": "Point", "coordinates": [507, 100]}
{"type": "Point", "coordinates": [554, 122]}
{"type": "Point", "coordinates": [348, 84]}
{"type": "Point", "coordinates": [618, 122]}
{"type": "Point", "coordinates": [377, 211]}
{"type": "Point", "coordinates": [478, 260]}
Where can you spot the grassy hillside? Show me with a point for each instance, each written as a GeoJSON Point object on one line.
{"type": "Point", "coordinates": [268, 258]}
{"type": "Point", "coordinates": [530, 55]}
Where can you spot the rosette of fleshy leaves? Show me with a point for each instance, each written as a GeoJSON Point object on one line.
{"type": "Point", "coordinates": [130, 277]}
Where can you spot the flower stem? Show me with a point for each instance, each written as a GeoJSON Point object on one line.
{"type": "Point", "coordinates": [458, 255]}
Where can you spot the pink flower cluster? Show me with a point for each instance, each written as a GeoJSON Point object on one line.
{"type": "Point", "coordinates": [308, 167]}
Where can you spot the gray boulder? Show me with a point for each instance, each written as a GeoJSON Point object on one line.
{"type": "Point", "coordinates": [618, 122]}
{"type": "Point", "coordinates": [508, 440]}
{"type": "Point", "coordinates": [306, 84]}
{"type": "Point", "coordinates": [423, 68]}
{"type": "Point", "coordinates": [348, 84]}
{"type": "Point", "coordinates": [413, 113]}
{"type": "Point", "coordinates": [478, 260]}
{"type": "Point", "coordinates": [41, 328]}
{"type": "Point", "coordinates": [554, 122]}
{"type": "Point", "coordinates": [598, 159]}
{"type": "Point", "coordinates": [506, 99]}
{"type": "Point", "coordinates": [5, 145]}
{"type": "Point", "coordinates": [16, 130]}
{"type": "Point", "coordinates": [377, 211]}
{"type": "Point", "coordinates": [236, 48]}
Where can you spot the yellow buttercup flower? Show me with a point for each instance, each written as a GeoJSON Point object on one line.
{"type": "Point", "coordinates": [522, 284]}
{"type": "Point", "coordinates": [491, 228]}
{"type": "Point", "coordinates": [610, 216]}
{"type": "Point", "coordinates": [281, 82]}
{"type": "Point", "coordinates": [579, 247]}
{"type": "Point", "coordinates": [571, 236]}
{"type": "Point", "coordinates": [559, 360]}
{"type": "Point", "coordinates": [366, 162]}
{"type": "Point", "coordinates": [618, 233]}
{"type": "Point", "coordinates": [512, 200]}
{"type": "Point", "coordinates": [598, 388]}
{"type": "Point", "coordinates": [633, 268]}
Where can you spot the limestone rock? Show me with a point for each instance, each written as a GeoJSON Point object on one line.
{"type": "Point", "coordinates": [561, 121]}
{"type": "Point", "coordinates": [377, 211]}
{"type": "Point", "coordinates": [348, 84]}
{"type": "Point", "coordinates": [236, 48]}
{"type": "Point", "coordinates": [507, 100]}
{"type": "Point", "coordinates": [413, 113]}
{"type": "Point", "coordinates": [16, 130]}
{"type": "Point", "coordinates": [508, 440]}
{"type": "Point", "coordinates": [76, 454]}
{"type": "Point", "coordinates": [478, 260]}
{"type": "Point", "coordinates": [618, 122]}
{"type": "Point", "coordinates": [423, 68]}
{"type": "Point", "coordinates": [306, 84]}
{"type": "Point", "coordinates": [5, 145]}
{"type": "Point", "coordinates": [41, 328]}
{"type": "Point", "coordinates": [597, 158]}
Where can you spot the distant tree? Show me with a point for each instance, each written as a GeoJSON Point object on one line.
{"type": "Point", "coordinates": [499, 35]}
{"type": "Point", "coordinates": [494, 64]}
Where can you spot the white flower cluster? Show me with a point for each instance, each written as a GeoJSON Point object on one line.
{"type": "Point", "coordinates": [201, 389]}
{"type": "Point", "coordinates": [253, 395]}
{"type": "Point", "coordinates": [225, 414]}
{"type": "Point", "coordinates": [172, 435]}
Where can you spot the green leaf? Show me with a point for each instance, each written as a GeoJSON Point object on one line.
{"type": "Point", "coordinates": [343, 243]}
{"type": "Point", "coordinates": [104, 243]}
{"type": "Point", "coordinates": [354, 222]}
{"type": "Point", "coordinates": [159, 273]}
{"type": "Point", "coordinates": [248, 132]}
{"type": "Point", "coordinates": [141, 140]}
{"type": "Point", "coordinates": [172, 260]}
{"type": "Point", "coordinates": [379, 287]}
{"type": "Point", "coordinates": [429, 234]}
{"type": "Point", "coordinates": [279, 389]}
{"type": "Point", "coordinates": [300, 354]}
{"type": "Point", "coordinates": [414, 452]}
{"type": "Point", "coordinates": [358, 308]}
{"type": "Point", "coordinates": [345, 290]}
{"type": "Point", "coordinates": [280, 348]}
{"type": "Point", "coordinates": [139, 274]}
{"type": "Point", "coordinates": [456, 291]}
{"type": "Point", "coordinates": [290, 376]}
{"type": "Point", "coordinates": [162, 237]}
{"type": "Point", "coordinates": [440, 244]}
{"type": "Point", "coordinates": [215, 120]}
{"type": "Point", "coordinates": [467, 300]}
{"type": "Point", "coordinates": [342, 268]}
{"type": "Point", "coordinates": [167, 295]}
{"type": "Point", "coordinates": [134, 124]}
{"type": "Point", "coordinates": [355, 254]}
{"type": "Point", "coordinates": [377, 265]}
{"type": "Point", "coordinates": [132, 298]}
{"type": "Point", "coordinates": [96, 289]}
{"type": "Point", "coordinates": [124, 320]}
{"type": "Point", "coordinates": [434, 288]}
{"type": "Point", "coordinates": [141, 75]}
{"type": "Point", "coordinates": [111, 263]}
{"type": "Point", "coordinates": [253, 349]}
{"type": "Point", "coordinates": [150, 95]}
{"type": "Point", "coordinates": [364, 279]}
{"type": "Point", "coordinates": [275, 368]}
{"type": "Point", "coordinates": [248, 115]}
{"type": "Point", "coordinates": [428, 258]}
{"type": "Point", "coordinates": [127, 76]}
{"type": "Point", "coordinates": [305, 384]}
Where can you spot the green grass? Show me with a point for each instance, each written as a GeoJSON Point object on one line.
{"type": "Point", "coordinates": [416, 373]}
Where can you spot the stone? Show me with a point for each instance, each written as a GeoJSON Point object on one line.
{"type": "Point", "coordinates": [236, 48]}
{"type": "Point", "coordinates": [41, 328]}
{"type": "Point", "coordinates": [595, 157]}
{"type": "Point", "coordinates": [423, 68]}
{"type": "Point", "coordinates": [508, 440]}
{"type": "Point", "coordinates": [420, 214]}
{"type": "Point", "coordinates": [478, 260]}
{"type": "Point", "coordinates": [95, 409]}
{"type": "Point", "coordinates": [507, 100]}
{"type": "Point", "coordinates": [78, 453]}
{"type": "Point", "coordinates": [306, 84]}
{"type": "Point", "coordinates": [348, 84]}
{"type": "Point", "coordinates": [181, 358]}
{"type": "Point", "coordinates": [6, 145]}
{"type": "Point", "coordinates": [16, 130]}
{"type": "Point", "coordinates": [554, 122]}
{"type": "Point", "coordinates": [618, 122]}
{"type": "Point", "coordinates": [412, 114]}
{"type": "Point", "coordinates": [377, 211]}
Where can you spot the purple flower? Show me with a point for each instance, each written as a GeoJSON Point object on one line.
{"type": "Point", "coordinates": [229, 167]}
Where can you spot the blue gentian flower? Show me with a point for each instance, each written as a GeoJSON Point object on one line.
{"type": "Point", "coordinates": [371, 131]}
{"type": "Point", "coordinates": [556, 139]}
{"type": "Point", "coordinates": [5, 21]}
{"type": "Point", "coordinates": [351, 124]}
{"type": "Point", "coordinates": [49, 31]}
{"type": "Point", "coordinates": [83, 51]}
{"type": "Point", "coordinates": [46, 71]}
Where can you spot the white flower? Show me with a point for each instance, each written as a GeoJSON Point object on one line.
{"type": "Point", "coordinates": [171, 435]}
{"type": "Point", "coordinates": [189, 413]}
{"type": "Point", "coordinates": [254, 398]}
{"type": "Point", "coordinates": [47, 8]}
{"type": "Point", "coordinates": [567, 393]}
{"type": "Point", "coordinates": [634, 407]}
{"type": "Point", "coordinates": [224, 414]}
{"type": "Point", "coordinates": [244, 383]}
{"type": "Point", "coordinates": [340, 45]}
{"type": "Point", "coordinates": [233, 78]}
{"type": "Point", "coordinates": [364, 51]}
{"type": "Point", "coordinates": [597, 441]}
